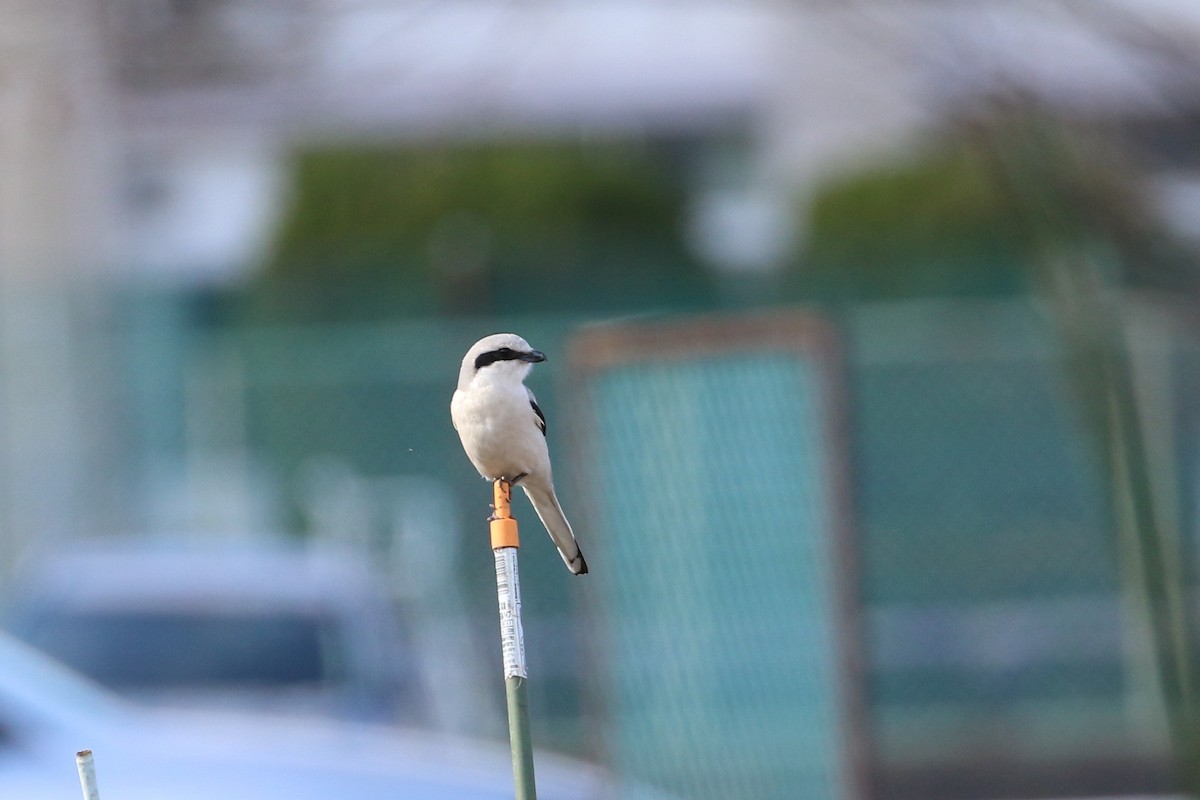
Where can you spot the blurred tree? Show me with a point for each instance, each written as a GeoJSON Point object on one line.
{"type": "Point", "coordinates": [944, 223]}
{"type": "Point", "coordinates": [476, 228]}
{"type": "Point", "coordinates": [935, 225]}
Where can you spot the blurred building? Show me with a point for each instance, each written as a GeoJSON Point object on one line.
{"type": "Point", "coordinates": [214, 95]}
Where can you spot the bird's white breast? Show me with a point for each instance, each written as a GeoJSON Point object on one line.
{"type": "Point", "coordinates": [497, 427]}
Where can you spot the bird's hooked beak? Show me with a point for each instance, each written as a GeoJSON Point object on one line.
{"type": "Point", "coordinates": [533, 356]}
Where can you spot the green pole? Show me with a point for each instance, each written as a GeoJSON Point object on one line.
{"type": "Point", "coordinates": [512, 641]}
{"type": "Point", "coordinates": [518, 735]}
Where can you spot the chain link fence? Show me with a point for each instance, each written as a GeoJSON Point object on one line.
{"type": "Point", "coordinates": [714, 456]}
{"type": "Point", "coordinates": [875, 561]}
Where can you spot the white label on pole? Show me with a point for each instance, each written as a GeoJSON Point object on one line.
{"type": "Point", "coordinates": [508, 593]}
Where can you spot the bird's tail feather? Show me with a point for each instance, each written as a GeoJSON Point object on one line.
{"type": "Point", "coordinates": [545, 503]}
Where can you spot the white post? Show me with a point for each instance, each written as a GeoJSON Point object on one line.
{"type": "Point", "coordinates": [87, 774]}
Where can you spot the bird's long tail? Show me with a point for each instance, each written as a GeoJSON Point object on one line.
{"type": "Point", "coordinates": [545, 503]}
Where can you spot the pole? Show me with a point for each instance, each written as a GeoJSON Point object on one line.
{"type": "Point", "coordinates": [87, 774]}
{"type": "Point", "coordinates": [505, 542]}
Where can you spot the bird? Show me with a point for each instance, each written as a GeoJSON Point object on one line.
{"type": "Point", "coordinates": [503, 431]}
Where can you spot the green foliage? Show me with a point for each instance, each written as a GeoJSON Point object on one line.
{"type": "Point", "coordinates": [940, 224]}
{"type": "Point", "coordinates": [467, 227]}
{"type": "Point", "coordinates": [976, 210]}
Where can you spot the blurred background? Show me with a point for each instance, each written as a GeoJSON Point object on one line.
{"type": "Point", "coordinates": [872, 379]}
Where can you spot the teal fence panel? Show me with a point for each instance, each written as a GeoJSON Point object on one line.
{"type": "Point", "coordinates": [723, 670]}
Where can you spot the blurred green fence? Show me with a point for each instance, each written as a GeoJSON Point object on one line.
{"type": "Point", "coordinates": [1006, 656]}
{"type": "Point", "coordinates": [999, 644]}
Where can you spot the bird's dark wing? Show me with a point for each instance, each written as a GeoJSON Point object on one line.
{"type": "Point", "coordinates": [541, 418]}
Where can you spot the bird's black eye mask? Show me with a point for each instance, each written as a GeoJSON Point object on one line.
{"type": "Point", "coordinates": [492, 356]}
{"type": "Point", "coordinates": [507, 354]}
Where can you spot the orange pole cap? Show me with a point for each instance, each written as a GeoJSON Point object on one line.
{"type": "Point", "coordinates": [503, 526]}
{"type": "Point", "coordinates": [504, 533]}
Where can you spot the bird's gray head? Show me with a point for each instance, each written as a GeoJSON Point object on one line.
{"type": "Point", "coordinates": [505, 351]}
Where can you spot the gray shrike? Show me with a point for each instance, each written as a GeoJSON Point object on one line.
{"type": "Point", "coordinates": [504, 432]}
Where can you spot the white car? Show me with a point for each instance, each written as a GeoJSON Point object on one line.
{"type": "Point", "coordinates": [48, 713]}
{"type": "Point", "coordinates": [258, 623]}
